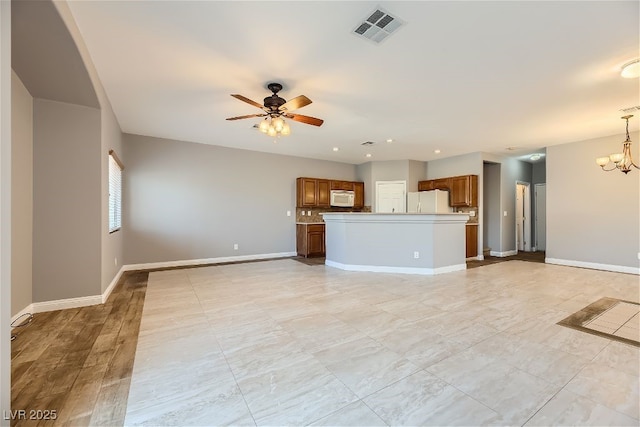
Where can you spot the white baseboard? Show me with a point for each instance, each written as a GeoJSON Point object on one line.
{"type": "Point", "coordinates": [593, 265]}
{"type": "Point", "coordinates": [503, 254]}
{"type": "Point", "coordinates": [195, 262]}
{"type": "Point", "coordinates": [63, 304]}
{"type": "Point", "coordinates": [476, 258]}
{"type": "Point", "coordinates": [112, 285]}
{"type": "Point", "coordinates": [400, 270]}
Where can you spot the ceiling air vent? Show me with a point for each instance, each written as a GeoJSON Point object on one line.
{"type": "Point", "coordinates": [378, 25]}
{"type": "Point", "coordinates": [368, 143]}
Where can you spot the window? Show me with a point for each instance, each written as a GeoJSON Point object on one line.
{"type": "Point", "coordinates": [115, 192]}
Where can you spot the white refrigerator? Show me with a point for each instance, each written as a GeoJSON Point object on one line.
{"type": "Point", "coordinates": [430, 202]}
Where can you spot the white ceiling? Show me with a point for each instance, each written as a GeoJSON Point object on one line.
{"type": "Point", "coordinates": [459, 76]}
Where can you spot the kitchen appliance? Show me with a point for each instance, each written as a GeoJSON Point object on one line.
{"type": "Point", "coordinates": [430, 202]}
{"type": "Point", "coordinates": [342, 198]}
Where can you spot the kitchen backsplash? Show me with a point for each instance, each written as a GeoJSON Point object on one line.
{"type": "Point", "coordinates": [315, 213]}
{"type": "Point", "coordinates": [468, 210]}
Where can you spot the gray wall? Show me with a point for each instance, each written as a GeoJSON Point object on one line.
{"type": "Point", "coordinates": [467, 164]}
{"type": "Point", "coordinates": [592, 216]}
{"type": "Point", "coordinates": [491, 207]}
{"type": "Point", "coordinates": [5, 209]}
{"type": "Point", "coordinates": [538, 176]}
{"type": "Point", "coordinates": [415, 174]}
{"type": "Point", "coordinates": [539, 172]}
{"type": "Point", "coordinates": [111, 243]}
{"type": "Point", "coordinates": [185, 201]}
{"type": "Point", "coordinates": [364, 174]}
{"type": "Point", "coordinates": [410, 171]}
{"type": "Point", "coordinates": [66, 193]}
{"type": "Point", "coordinates": [21, 195]}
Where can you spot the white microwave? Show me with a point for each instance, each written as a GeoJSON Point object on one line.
{"type": "Point", "coordinates": [342, 198]}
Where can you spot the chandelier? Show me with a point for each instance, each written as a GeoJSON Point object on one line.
{"type": "Point", "coordinates": [621, 161]}
{"type": "Point", "coordinates": [274, 125]}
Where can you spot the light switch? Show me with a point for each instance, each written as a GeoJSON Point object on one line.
{"type": "Point", "coordinates": [288, 213]}
{"type": "Point", "coordinates": [472, 213]}
{"type": "Point", "coordinates": [505, 213]}
{"type": "Point", "coordinates": [302, 213]}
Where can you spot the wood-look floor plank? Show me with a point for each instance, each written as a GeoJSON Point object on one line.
{"type": "Point", "coordinates": [78, 362]}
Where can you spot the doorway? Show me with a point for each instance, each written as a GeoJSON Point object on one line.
{"type": "Point", "coordinates": [391, 196]}
{"type": "Point", "coordinates": [523, 220]}
{"type": "Point", "coordinates": [540, 220]}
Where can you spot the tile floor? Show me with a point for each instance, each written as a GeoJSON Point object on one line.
{"type": "Point", "coordinates": [283, 343]}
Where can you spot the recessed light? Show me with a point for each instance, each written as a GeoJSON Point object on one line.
{"type": "Point", "coordinates": [436, 151]}
{"type": "Point", "coordinates": [389, 140]}
{"type": "Point", "coordinates": [335, 148]}
{"type": "Point", "coordinates": [368, 155]}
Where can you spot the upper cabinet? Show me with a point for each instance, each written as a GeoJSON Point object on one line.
{"type": "Point", "coordinates": [358, 188]}
{"type": "Point", "coordinates": [312, 192]}
{"type": "Point", "coordinates": [316, 192]}
{"type": "Point", "coordinates": [463, 190]}
{"type": "Point", "coordinates": [342, 185]}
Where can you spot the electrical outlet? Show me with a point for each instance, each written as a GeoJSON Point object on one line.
{"type": "Point", "coordinates": [302, 213]}
{"type": "Point", "coordinates": [416, 255]}
{"type": "Point", "coordinates": [235, 246]}
{"type": "Point", "coordinates": [308, 213]}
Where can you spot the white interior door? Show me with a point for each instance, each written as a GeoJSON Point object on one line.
{"type": "Point", "coordinates": [391, 196]}
{"type": "Point", "coordinates": [541, 216]}
{"type": "Point", "coordinates": [523, 222]}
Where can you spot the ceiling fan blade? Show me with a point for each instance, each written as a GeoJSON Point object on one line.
{"type": "Point", "coordinates": [248, 101]}
{"type": "Point", "coordinates": [295, 103]}
{"type": "Point", "coordinates": [304, 119]}
{"type": "Point", "coordinates": [246, 117]}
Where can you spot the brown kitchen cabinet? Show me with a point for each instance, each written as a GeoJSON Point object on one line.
{"type": "Point", "coordinates": [435, 184]}
{"type": "Point", "coordinates": [425, 185]}
{"type": "Point", "coordinates": [342, 185]}
{"type": "Point", "coordinates": [471, 240]}
{"type": "Point", "coordinates": [464, 191]}
{"type": "Point", "coordinates": [312, 192]}
{"type": "Point", "coordinates": [310, 240]}
{"type": "Point", "coordinates": [442, 184]}
{"type": "Point", "coordinates": [358, 200]}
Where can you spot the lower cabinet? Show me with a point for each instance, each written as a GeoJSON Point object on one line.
{"type": "Point", "coordinates": [472, 240]}
{"type": "Point", "coordinates": [310, 240]}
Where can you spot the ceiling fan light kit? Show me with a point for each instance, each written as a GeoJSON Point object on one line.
{"type": "Point", "coordinates": [631, 69]}
{"type": "Point", "coordinates": [276, 109]}
{"type": "Point", "coordinates": [621, 161]}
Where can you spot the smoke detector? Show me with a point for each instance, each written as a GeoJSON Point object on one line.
{"type": "Point", "coordinates": [378, 25]}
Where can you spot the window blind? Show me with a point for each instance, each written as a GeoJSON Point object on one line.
{"type": "Point", "coordinates": [115, 193]}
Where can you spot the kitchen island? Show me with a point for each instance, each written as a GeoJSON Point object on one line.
{"type": "Point", "coordinates": [396, 242]}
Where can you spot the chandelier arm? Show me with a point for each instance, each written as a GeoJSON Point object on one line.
{"type": "Point", "coordinates": [612, 169]}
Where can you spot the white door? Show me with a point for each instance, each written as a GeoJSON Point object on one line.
{"type": "Point", "coordinates": [523, 223]}
{"type": "Point", "coordinates": [391, 196]}
{"type": "Point", "coordinates": [541, 216]}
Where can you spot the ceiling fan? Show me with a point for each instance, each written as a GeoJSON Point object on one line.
{"type": "Point", "coordinates": [275, 108]}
